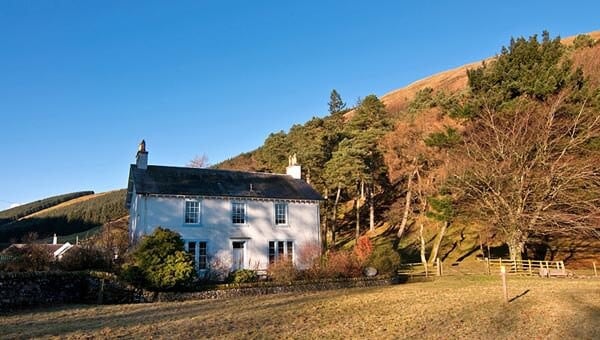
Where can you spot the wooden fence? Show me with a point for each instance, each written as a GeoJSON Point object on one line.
{"type": "Point", "coordinates": [526, 267]}
{"type": "Point", "coordinates": [419, 269]}
{"type": "Point", "coordinates": [489, 266]}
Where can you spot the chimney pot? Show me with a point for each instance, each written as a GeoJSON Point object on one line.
{"type": "Point", "coordinates": [141, 158]}
{"type": "Point", "coordinates": [293, 168]}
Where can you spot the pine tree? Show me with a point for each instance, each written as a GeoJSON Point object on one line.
{"type": "Point", "coordinates": [335, 102]}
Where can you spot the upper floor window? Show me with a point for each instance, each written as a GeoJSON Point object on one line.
{"type": "Point", "coordinates": [238, 213]}
{"type": "Point", "coordinates": [192, 212]}
{"type": "Point", "coordinates": [281, 213]}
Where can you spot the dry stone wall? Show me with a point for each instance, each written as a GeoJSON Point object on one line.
{"type": "Point", "coordinates": [21, 290]}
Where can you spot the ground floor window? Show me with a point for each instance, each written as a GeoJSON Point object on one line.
{"type": "Point", "coordinates": [197, 250]}
{"type": "Point", "coordinates": [280, 250]}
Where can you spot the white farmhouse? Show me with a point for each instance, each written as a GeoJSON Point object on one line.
{"type": "Point", "coordinates": [243, 220]}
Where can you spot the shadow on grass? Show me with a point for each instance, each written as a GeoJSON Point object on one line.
{"type": "Point", "coordinates": [135, 317]}
{"type": "Point", "coordinates": [518, 296]}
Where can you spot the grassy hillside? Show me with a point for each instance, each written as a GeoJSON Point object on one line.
{"type": "Point", "coordinates": [418, 112]}
{"type": "Point", "coordinates": [13, 214]}
{"type": "Point", "coordinates": [82, 215]}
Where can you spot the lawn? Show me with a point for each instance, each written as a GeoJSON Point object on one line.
{"type": "Point", "coordinates": [451, 307]}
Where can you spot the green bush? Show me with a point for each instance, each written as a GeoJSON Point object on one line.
{"type": "Point", "coordinates": [583, 41]}
{"type": "Point", "coordinates": [243, 276]}
{"type": "Point", "coordinates": [385, 259]}
{"type": "Point", "coordinates": [160, 262]}
{"type": "Point", "coordinates": [446, 139]}
{"type": "Point", "coordinates": [132, 274]}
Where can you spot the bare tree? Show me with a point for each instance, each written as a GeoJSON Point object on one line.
{"type": "Point", "coordinates": [533, 170]}
{"type": "Point", "coordinates": [199, 161]}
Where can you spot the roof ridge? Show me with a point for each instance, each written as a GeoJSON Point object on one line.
{"type": "Point", "coordinates": [221, 170]}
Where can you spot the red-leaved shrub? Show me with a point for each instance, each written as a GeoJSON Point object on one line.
{"type": "Point", "coordinates": [363, 249]}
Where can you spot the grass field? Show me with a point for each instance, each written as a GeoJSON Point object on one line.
{"type": "Point", "coordinates": [452, 307]}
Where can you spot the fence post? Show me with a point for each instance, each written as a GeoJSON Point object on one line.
{"type": "Point", "coordinates": [595, 272]}
{"type": "Point", "coordinates": [101, 292]}
{"type": "Point", "coordinates": [504, 288]}
{"type": "Point", "coordinates": [487, 266]}
{"type": "Point", "coordinates": [439, 266]}
{"type": "Point", "coordinates": [529, 264]}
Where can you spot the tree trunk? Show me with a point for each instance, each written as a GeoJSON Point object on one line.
{"type": "Point", "coordinates": [334, 217]}
{"type": "Point", "coordinates": [371, 209]}
{"type": "Point", "coordinates": [406, 206]}
{"type": "Point", "coordinates": [357, 218]}
{"type": "Point", "coordinates": [438, 242]}
{"type": "Point", "coordinates": [516, 245]}
{"type": "Point", "coordinates": [423, 258]}
{"type": "Point", "coordinates": [362, 189]}
{"type": "Point", "coordinates": [325, 233]}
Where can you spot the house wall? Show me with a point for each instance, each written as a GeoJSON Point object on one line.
{"type": "Point", "coordinates": [217, 229]}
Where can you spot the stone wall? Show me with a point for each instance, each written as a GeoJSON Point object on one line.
{"type": "Point", "coordinates": [230, 291]}
{"type": "Point", "coordinates": [19, 290]}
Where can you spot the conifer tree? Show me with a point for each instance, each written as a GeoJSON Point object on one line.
{"type": "Point", "coordinates": [335, 102]}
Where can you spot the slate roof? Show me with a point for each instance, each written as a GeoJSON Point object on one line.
{"type": "Point", "coordinates": [166, 180]}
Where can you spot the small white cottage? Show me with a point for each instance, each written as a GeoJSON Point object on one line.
{"type": "Point", "coordinates": [237, 219]}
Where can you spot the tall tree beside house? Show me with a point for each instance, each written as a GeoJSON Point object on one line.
{"type": "Point", "coordinates": [341, 173]}
{"type": "Point", "coordinates": [528, 164]}
{"type": "Point", "coordinates": [358, 161]}
{"type": "Point", "coordinates": [335, 102]}
{"type": "Point", "coordinates": [368, 125]}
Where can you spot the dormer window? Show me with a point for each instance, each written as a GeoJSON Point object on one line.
{"type": "Point", "coordinates": [192, 212]}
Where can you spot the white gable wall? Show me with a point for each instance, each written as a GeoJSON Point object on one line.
{"type": "Point", "coordinates": [217, 229]}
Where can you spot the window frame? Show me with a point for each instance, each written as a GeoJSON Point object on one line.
{"type": "Point", "coordinates": [197, 256]}
{"type": "Point", "coordinates": [280, 249]}
{"type": "Point", "coordinates": [235, 215]}
{"type": "Point", "coordinates": [186, 213]}
{"type": "Point", "coordinates": [286, 214]}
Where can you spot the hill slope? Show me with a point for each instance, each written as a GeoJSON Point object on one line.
{"type": "Point", "coordinates": [21, 211]}
{"type": "Point", "coordinates": [77, 215]}
{"type": "Point", "coordinates": [417, 113]}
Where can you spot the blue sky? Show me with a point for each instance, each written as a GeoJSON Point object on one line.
{"type": "Point", "coordinates": [82, 82]}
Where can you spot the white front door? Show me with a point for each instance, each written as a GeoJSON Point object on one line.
{"type": "Point", "coordinates": [238, 255]}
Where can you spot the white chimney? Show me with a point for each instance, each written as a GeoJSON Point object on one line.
{"type": "Point", "coordinates": [141, 158]}
{"type": "Point", "coordinates": [293, 168]}
{"type": "Point", "coordinates": [54, 239]}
